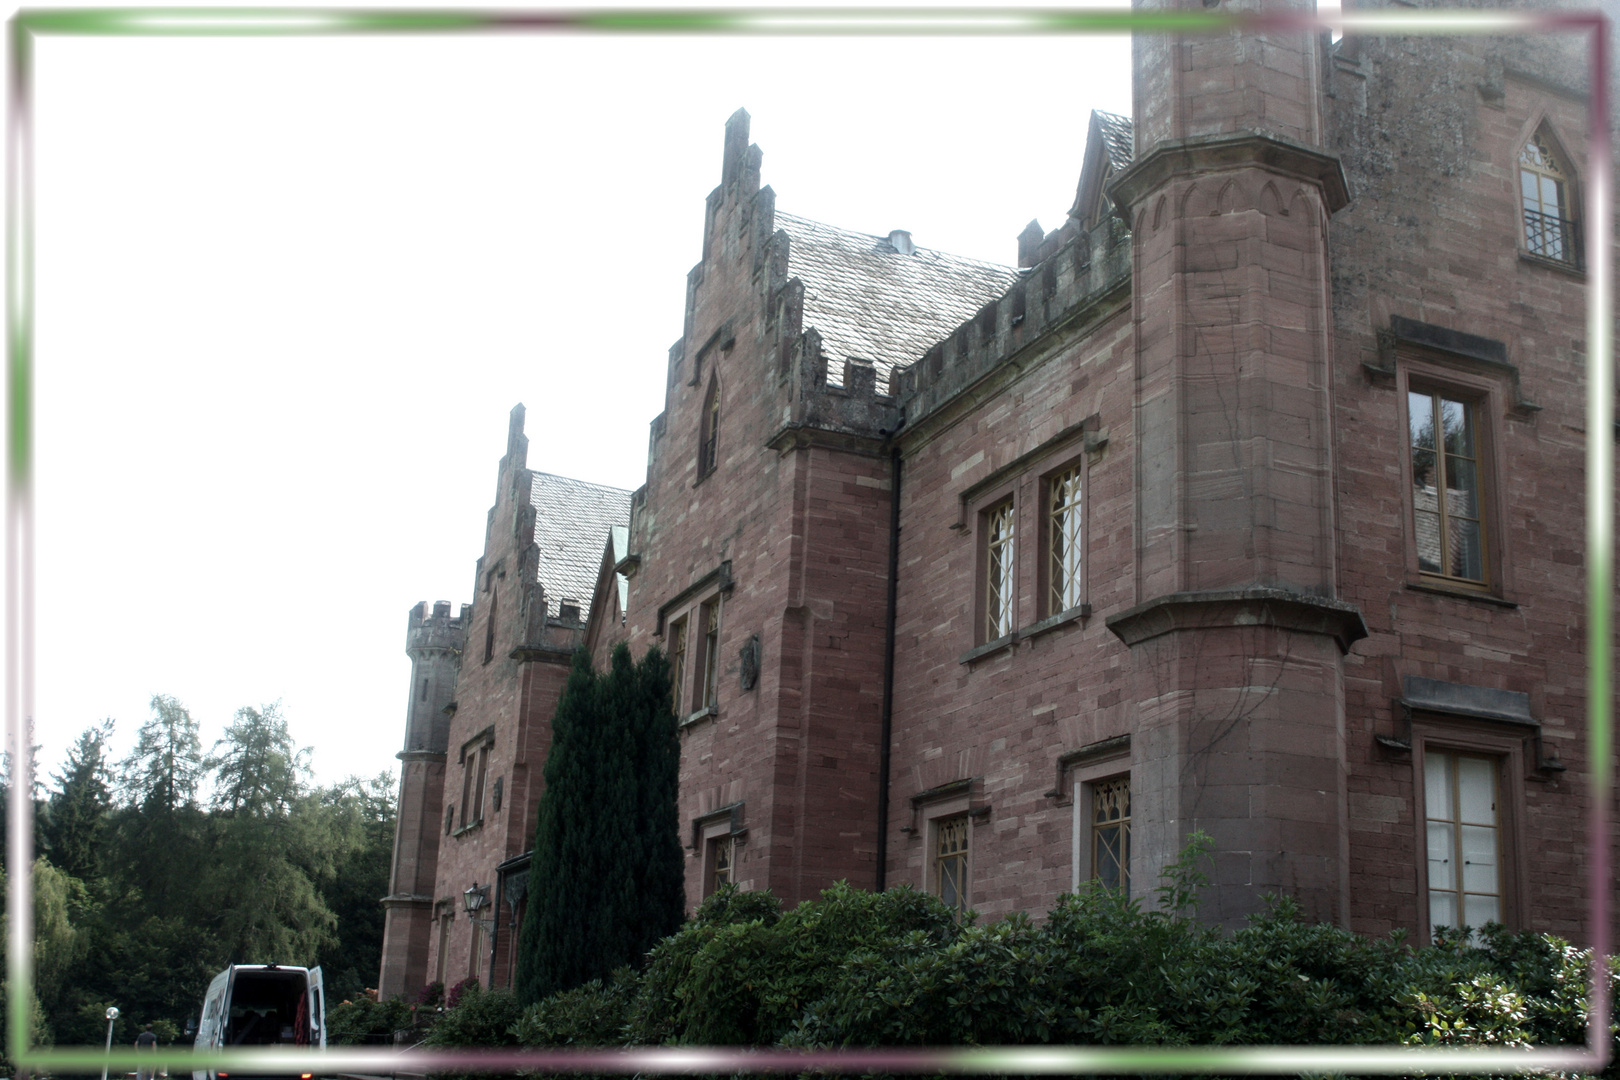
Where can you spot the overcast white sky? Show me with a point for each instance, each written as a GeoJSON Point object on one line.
{"type": "Point", "coordinates": [289, 288]}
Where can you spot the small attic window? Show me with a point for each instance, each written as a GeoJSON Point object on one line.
{"type": "Point", "coordinates": [902, 243]}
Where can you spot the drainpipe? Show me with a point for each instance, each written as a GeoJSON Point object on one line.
{"type": "Point", "coordinates": [886, 729]}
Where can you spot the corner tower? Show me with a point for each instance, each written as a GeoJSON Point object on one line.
{"type": "Point", "coordinates": [1238, 637]}
{"type": "Point", "coordinates": [434, 644]}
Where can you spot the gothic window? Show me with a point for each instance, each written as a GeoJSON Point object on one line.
{"type": "Point", "coordinates": [1111, 833]}
{"type": "Point", "coordinates": [708, 442]}
{"type": "Point", "coordinates": [1544, 194]}
{"type": "Point", "coordinates": [1000, 600]}
{"type": "Point", "coordinates": [950, 862]}
{"type": "Point", "coordinates": [1464, 864]}
{"type": "Point", "coordinates": [1064, 572]}
{"type": "Point", "coordinates": [1447, 505]}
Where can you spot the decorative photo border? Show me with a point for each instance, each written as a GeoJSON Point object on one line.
{"type": "Point", "coordinates": [28, 25]}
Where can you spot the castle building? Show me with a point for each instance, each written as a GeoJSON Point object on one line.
{"type": "Point", "coordinates": [1247, 502]}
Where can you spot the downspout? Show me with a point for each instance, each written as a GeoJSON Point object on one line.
{"type": "Point", "coordinates": [886, 728]}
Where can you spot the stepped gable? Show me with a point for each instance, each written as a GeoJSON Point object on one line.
{"type": "Point", "coordinates": [1118, 138]}
{"type": "Point", "coordinates": [572, 521]}
{"type": "Point", "coordinates": [869, 301]}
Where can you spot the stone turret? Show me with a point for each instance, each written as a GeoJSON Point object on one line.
{"type": "Point", "coordinates": [434, 642]}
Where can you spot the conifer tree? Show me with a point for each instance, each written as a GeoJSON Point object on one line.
{"type": "Point", "coordinates": [605, 878]}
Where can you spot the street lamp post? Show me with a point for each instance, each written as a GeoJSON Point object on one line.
{"type": "Point", "coordinates": [112, 1015]}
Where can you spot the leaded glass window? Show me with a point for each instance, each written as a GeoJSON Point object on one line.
{"type": "Point", "coordinates": [999, 552]}
{"type": "Point", "coordinates": [1111, 833]}
{"type": "Point", "coordinates": [1063, 541]}
{"type": "Point", "coordinates": [950, 862]}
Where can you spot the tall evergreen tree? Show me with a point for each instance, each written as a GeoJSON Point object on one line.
{"type": "Point", "coordinates": [600, 891]}
{"type": "Point", "coordinates": [661, 861]}
{"type": "Point", "coordinates": [76, 823]}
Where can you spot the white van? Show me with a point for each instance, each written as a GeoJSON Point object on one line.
{"type": "Point", "coordinates": [262, 1005]}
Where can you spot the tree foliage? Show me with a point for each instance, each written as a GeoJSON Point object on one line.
{"type": "Point", "coordinates": [607, 841]}
{"type": "Point", "coordinates": [144, 892]}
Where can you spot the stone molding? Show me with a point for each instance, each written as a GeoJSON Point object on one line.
{"type": "Point", "coordinates": [1222, 608]}
{"type": "Point", "coordinates": [1205, 154]}
{"type": "Point", "coordinates": [422, 755]}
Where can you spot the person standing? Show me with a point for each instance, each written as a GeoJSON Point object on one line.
{"type": "Point", "coordinates": [145, 1043]}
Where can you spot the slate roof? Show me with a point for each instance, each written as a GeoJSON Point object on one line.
{"type": "Point", "coordinates": [869, 301]}
{"type": "Point", "coordinates": [1118, 139]}
{"type": "Point", "coordinates": [573, 520]}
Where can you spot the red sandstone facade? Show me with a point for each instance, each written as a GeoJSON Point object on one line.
{"type": "Point", "coordinates": [973, 572]}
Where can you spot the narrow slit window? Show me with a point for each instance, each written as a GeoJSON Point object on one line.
{"type": "Point", "coordinates": [709, 440]}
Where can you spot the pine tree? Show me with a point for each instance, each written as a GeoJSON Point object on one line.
{"type": "Point", "coordinates": [75, 827]}
{"type": "Point", "coordinates": [605, 879]}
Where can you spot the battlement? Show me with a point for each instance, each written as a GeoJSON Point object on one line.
{"type": "Point", "coordinates": [855, 408]}
{"type": "Point", "coordinates": [1077, 270]}
{"type": "Point", "coordinates": [438, 629]}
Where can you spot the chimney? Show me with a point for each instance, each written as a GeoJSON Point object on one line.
{"type": "Point", "coordinates": [900, 240]}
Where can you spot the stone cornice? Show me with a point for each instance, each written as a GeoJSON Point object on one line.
{"type": "Point", "coordinates": [1233, 150]}
{"type": "Point", "coordinates": [1216, 609]}
{"type": "Point", "coordinates": [421, 755]}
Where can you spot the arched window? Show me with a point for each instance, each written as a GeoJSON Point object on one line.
{"type": "Point", "coordinates": [1544, 195]}
{"type": "Point", "coordinates": [708, 441]}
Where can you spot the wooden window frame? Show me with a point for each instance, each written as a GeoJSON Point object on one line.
{"type": "Point", "coordinates": [1483, 395]}
{"type": "Point", "coordinates": [1507, 749]}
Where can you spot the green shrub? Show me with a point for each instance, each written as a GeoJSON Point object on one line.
{"type": "Point", "coordinates": [364, 1021]}
{"type": "Point", "coordinates": [479, 1018]}
{"type": "Point", "coordinates": [595, 1014]}
{"type": "Point", "coordinates": [894, 969]}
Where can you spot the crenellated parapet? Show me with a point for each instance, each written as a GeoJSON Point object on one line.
{"type": "Point", "coordinates": [1078, 273]}
{"type": "Point", "coordinates": [437, 630]}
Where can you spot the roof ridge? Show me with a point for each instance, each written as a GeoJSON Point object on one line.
{"type": "Point", "coordinates": [884, 239]}
{"type": "Point", "coordinates": [584, 483]}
